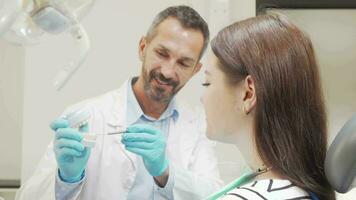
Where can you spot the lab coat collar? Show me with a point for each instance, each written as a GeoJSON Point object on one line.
{"type": "Point", "coordinates": [134, 111]}
{"type": "Point", "coordinates": [115, 117]}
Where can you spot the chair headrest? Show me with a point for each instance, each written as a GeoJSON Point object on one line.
{"type": "Point", "coordinates": [340, 162]}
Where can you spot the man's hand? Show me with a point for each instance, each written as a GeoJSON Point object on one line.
{"type": "Point", "coordinates": [71, 155]}
{"type": "Point", "coordinates": [148, 142]}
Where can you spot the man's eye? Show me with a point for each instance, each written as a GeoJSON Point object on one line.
{"type": "Point", "coordinates": [184, 64]}
{"type": "Point", "coordinates": [205, 84]}
{"type": "Point", "coordinates": [161, 54]}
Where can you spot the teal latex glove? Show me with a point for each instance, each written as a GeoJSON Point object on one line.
{"type": "Point", "coordinates": [71, 155]}
{"type": "Point", "coordinates": [148, 142]}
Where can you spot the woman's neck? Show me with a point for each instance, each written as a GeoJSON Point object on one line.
{"type": "Point", "coordinates": [247, 146]}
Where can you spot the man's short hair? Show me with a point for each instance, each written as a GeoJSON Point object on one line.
{"type": "Point", "coordinates": [188, 18]}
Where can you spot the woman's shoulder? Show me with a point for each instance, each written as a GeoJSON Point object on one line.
{"type": "Point", "coordinates": [271, 189]}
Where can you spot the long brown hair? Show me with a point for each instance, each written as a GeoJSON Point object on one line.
{"type": "Point", "coordinates": [290, 119]}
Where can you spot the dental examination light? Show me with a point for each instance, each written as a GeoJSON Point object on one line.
{"type": "Point", "coordinates": [26, 22]}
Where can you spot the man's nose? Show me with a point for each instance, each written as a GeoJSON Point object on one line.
{"type": "Point", "coordinates": [169, 70]}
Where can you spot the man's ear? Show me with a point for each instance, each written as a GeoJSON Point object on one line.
{"type": "Point", "coordinates": [197, 67]}
{"type": "Point", "coordinates": [249, 99]}
{"type": "Point", "coordinates": [142, 48]}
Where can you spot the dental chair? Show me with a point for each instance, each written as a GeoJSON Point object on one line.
{"type": "Point", "coordinates": [340, 162]}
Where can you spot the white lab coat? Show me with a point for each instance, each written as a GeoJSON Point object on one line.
{"type": "Point", "coordinates": [111, 169]}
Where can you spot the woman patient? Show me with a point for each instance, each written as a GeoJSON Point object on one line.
{"type": "Point", "coordinates": [264, 95]}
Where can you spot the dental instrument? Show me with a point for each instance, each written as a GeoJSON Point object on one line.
{"type": "Point", "coordinates": [245, 178]}
{"type": "Point", "coordinates": [79, 119]}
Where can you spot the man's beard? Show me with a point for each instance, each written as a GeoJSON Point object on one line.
{"type": "Point", "coordinates": [157, 92]}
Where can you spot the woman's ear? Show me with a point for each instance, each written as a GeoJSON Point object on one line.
{"type": "Point", "coordinates": [142, 47]}
{"type": "Point", "coordinates": [249, 100]}
{"type": "Point", "coordinates": [197, 67]}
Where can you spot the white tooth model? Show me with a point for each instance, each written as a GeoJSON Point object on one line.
{"type": "Point", "coordinates": [79, 118]}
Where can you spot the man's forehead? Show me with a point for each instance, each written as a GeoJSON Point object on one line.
{"type": "Point", "coordinates": [168, 50]}
{"type": "Point", "coordinates": [173, 26]}
{"type": "Point", "coordinates": [171, 30]}
{"type": "Point", "coordinates": [184, 49]}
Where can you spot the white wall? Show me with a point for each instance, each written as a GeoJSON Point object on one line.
{"type": "Point", "coordinates": [11, 98]}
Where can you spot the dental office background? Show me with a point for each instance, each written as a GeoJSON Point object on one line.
{"type": "Point", "coordinates": [29, 102]}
